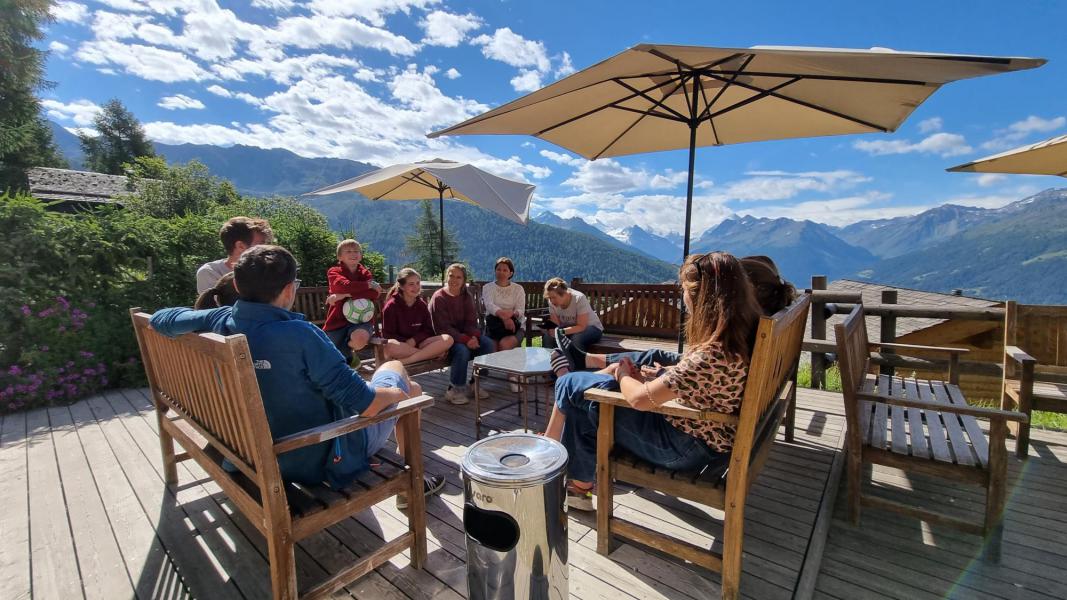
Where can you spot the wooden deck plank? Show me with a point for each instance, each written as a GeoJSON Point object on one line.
{"type": "Point", "coordinates": [53, 562]}
{"type": "Point", "coordinates": [199, 572]}
{"type": "Point", "coordinates": [145, 560]}
{"type": "Point", "coordinates": [99, 558]}
{"type": "Point", "coordinates": [14, 518]}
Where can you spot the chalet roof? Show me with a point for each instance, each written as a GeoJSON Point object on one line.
{"type": "Point", "coordinates": [67, 185]}
{"type": "Point", "coordinates": [872, 294]}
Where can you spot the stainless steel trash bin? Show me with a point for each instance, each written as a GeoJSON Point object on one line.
{"type": "Point", "coordinates": [515, 519]}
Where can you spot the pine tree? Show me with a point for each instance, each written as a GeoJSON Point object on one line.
{"type": "Point", "coordinates": [25, 139]}
{"type": "Point", "coordinates": [121, 139]}
{"type": "Point", "coordinates": [425, 244]}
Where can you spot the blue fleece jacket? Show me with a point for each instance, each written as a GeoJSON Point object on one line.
{"type": "Point", "coordinates": [304, 381]}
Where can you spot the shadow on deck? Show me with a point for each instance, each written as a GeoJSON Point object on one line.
{"type": "Point", "coordinates": [85, 514]}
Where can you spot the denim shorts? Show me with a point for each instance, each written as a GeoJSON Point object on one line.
{"type": "Point", "coordinates": [341, 335]}
{"type": "Point", "coordinates": [378, 434]}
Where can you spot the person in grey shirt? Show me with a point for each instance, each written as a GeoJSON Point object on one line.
{"type": "Point", "coordinates": [237, 234]}
{"type": "Point", "coordinates": [573, 323]}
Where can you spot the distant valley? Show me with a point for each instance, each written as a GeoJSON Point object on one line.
{"type": "Point", "coordinates": [1018, 251]}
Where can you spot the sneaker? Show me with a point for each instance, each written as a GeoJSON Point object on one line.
{"type": "Point", "coordinates": [568, 349]}
{"type": "Point", "coordinates": [579, 499]}
{"type": "Point", "coordinates": [456, 395]}
{"type": "Point", "coordinates": [482, 394]}
{"type": "Point", "coordinates": [431, 485]}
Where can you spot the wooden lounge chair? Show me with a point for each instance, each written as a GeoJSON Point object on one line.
{"type": "Point", "coordinates": [207, 400]}
{"type": "Point", "coordinates": [768, 392]}
{"type": "Point", "coordinates": [1035, 365]}
{"type": "Point", "coordinates": [919, 425]}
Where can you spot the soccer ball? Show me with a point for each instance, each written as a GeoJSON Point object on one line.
{"type": "Point", "coordinates": [359, 310]}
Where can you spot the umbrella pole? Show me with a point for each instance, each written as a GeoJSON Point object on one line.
{"type": "Point", "coordinates": [441, 213]}
{"type": "Point", "coordinates": [688, 222]}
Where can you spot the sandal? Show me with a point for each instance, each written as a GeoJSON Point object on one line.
{"type": "Point", "coordinates": [578, 498]}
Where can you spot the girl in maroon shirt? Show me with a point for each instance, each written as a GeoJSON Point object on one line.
{"type": "Point", "coordinates": [406, 325]}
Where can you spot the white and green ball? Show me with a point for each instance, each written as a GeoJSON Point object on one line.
{"type": "Point", "coordinates": [359, 310]}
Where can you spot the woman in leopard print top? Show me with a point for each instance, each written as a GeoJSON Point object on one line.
{"type": "Point", "coordinates": [710, 375]}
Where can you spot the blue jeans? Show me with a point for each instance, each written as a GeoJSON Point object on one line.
{"type": "Point", "coordinates": [646, 358]}
{"type": "Point", "coordinates": [650, 436]}
{"type": "Point", "coordinates": [460, 355]}
{"type": "Point", "coordinates": [582, 340]}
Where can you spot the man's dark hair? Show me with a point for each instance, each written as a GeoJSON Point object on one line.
{"type": "Point", "coordinates": [243, 229]}
{"type": "Point", "coordinates": [262, 273]}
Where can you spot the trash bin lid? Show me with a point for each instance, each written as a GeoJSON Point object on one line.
{"type": "Point", "coordinates": [512, 459]}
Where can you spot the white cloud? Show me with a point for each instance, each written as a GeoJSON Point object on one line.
{"type": "Point", "coordinates": [782, 185]}
{"type": "Point", "coordinates": [561, 158]}
{"type": "Point", "coordinates": [661, 214]}
{"type": "Point", "coordinates": [837, 211]}
{"type": "Point", "coordinates": [564, 67]}
{"type": "Point", "coordinates": [1014, 134]}
{"type": "Point", "coordinates": [527, 80]}
{"type": "Point", "coordinates": [273, 5]}
{"type": "Point", "coordinates": [319, 30]}
{"type": "Point", "coordinates": [372, 11]}
{"type": "Point", "coordinates": [218, 90]}
{"type": "Point", "coordinates": [147, 62]}
{"type": "Point", "coordinates": [607, 176]}
{"type": "Point", "coordinates": [930, 125]}
{"type": "Point", "coordinates": [448, 30]}
{"type": "Point", "coordinates": [994, 200]}
{"type": "Point", "coordinates": [69, 12]}
{"type": "Point", "coordinates": [79, 112]}
{"type": "Point", "coordinates": [452, 73]}
{"type": "Point", "coordinates": [941, 144]}
{"type": "Point", "coordinates": [990, 179]}
{"type": "Point", "coordinates": [513, 49]}
{"type": "Point", "coordinates": [180, 102]}
{"type": "Point", "coordinates": [58, 47]}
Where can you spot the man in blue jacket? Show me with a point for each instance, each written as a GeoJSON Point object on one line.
{"type": "Point", "coordinates": [303, 379]}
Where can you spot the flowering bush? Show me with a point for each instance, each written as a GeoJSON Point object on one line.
{"type": "Point", "coordinates": [57, 365]}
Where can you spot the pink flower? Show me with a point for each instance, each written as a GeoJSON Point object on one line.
{"type": "Point", "coordinates": [26, 310]}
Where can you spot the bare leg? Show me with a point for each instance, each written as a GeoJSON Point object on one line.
{"type": "Point", "coordinates": [596, 361]}
{"type": "Point", "coordinates": [429, 348]}
{"type": "Point", "coordinates": [554, 430]}
{"type": "Point", "coordinates": [397, 350]}
{"type": "Point", "coordinates": [358, 340]}
{"type": "Point", "coordinates": [398, 367]}
{"type": "Point", "coordinates": [508, 342]}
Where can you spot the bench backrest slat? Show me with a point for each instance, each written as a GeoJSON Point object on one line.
{"type": "Point", "coordinates": [209, 380]}
{"type": "Point", "coordinates": [774, 360]}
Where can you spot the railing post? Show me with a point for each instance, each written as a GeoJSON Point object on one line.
{"type": "Point", "coordinates": [888, 333]}
{"type": "Point", "coordinates": [392, 275]}
{"type": "Point", "coordinates": [818, 332]}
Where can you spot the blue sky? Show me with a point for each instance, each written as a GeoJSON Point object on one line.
{"type": "Point", "coordinates": [366, 80]}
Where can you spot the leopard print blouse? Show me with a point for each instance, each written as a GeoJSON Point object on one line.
{"type": "Point", "coordinates": [708, 378]}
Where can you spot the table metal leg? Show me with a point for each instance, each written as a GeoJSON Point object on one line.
{"type": "Point", "coordinates": [477, 408]}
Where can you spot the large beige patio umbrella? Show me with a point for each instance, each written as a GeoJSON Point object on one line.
{"type": "Point", "coordinates": [658, 97]}
{"type": "Point", "coordinates": [445, 178]}
{"type": "Point", "coordinates": [1043, 158]}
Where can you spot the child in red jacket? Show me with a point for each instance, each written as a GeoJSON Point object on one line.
{"type": "Point", "coordinates": [349, 279]}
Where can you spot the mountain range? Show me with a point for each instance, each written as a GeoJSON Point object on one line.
{"type": "Point", "coordinates": [1017, 251]}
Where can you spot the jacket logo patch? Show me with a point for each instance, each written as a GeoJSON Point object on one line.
{"type": "Point", "coordinates": [261, 364]}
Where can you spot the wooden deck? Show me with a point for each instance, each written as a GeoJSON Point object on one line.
{"type": "Point", "coordinates": [84, 514]}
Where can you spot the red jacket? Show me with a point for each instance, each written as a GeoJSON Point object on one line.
{"type": "Point", "coordinates": [343, 281]}
{"type": "Point", "coordinates": [403, 322]}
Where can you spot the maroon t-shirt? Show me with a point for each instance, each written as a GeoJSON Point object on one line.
{"type": "Point", "coordinates": [403, 322]}
{"type": "Point", "coordinates": [454, 315]}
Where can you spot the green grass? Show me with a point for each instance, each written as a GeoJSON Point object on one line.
{"type": "Point", "coordinates": [1039, 419]}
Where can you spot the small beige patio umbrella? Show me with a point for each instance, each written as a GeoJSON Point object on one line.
{"type": "Point", "coordinates": [461, 181]}
{"type": "Point", "coordinates": [658, 97]}
{"type": "Point", "coordinates": [1043, 158]}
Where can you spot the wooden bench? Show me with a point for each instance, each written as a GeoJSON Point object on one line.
{"type": "Point", "coordinates": [207, 400]}
{"type": "Point", "coordinates": [769, 390]}
{"type": "Point", "coordinates": [918, 425]}
{"type": "Point", "coordinates": [1035, 378]}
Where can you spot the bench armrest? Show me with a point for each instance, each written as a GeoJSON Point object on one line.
{"type": "Point", "coordinates": [329, 431]}
{"type": "Point", "coordinates": [959, 409]}
{"type": "Point", "coordinates": [943, 349]}
{"type": "Point", "coordinates": [672, 408]}
{"type": "Point", "coordinates": [1019, 355]}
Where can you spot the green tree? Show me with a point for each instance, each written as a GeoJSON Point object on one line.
{"type": "Point", "coordinates": [170, 191]}
{"type": "Point", "coordinates": [25, 139]}
{"type": "Point", "coordinates": [425, 244]}
{"type": "Point", "coordinates": [120, 140]}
